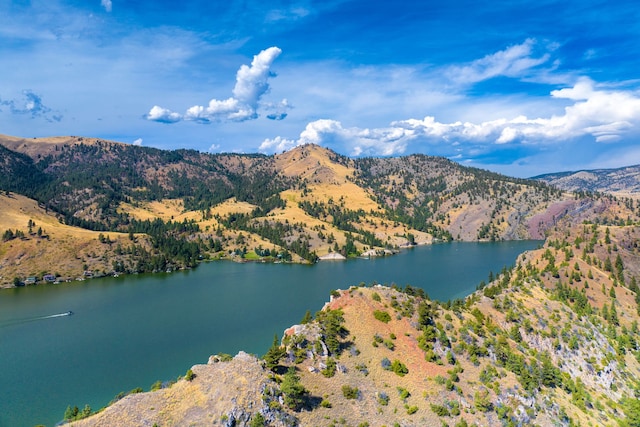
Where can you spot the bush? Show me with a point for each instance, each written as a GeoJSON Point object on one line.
{"type": "Point", "coordinates": [399, 368]}
{"type": "Point", "coordinates": [440, 410]}
{"type": "Point", "coordinates": [325, 403]}
{"type": "Point", "coordinates": [376, 297]}
{"type": "Point", "coordinates": [350, 392]}
{"type": "Point", "coordinates": [382, 316]}
{"type": "Point", "coordinates": [412, 410]}
{"type": "Point", "coordinates": [330, 370]}
{"type": "Point", "coordinates": [403, 392]}
{"type": "Point", "coordinates": [383, 398]}
{"type": "Point", "coordinates": [257, 420]}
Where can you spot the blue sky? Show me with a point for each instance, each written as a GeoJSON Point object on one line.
{"type": "Point", "coordinates": [521, 88]}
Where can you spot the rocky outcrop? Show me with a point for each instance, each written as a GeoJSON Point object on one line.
{"type": "Point", "coordinates": [227, 393]}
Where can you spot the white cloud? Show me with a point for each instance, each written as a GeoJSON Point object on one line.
{"type": "Point", "coordinates": [604, 115]}
{"type": "Point", "coordinates": [251, 85]}
{"type": "Point", "coordinates": [384, 141]}
{"type": "Point", "coordinates": [163, 115]}
{"type": "Point", "coordinates": [277, 144]}
{"type": "Point", "coordinates": [106, 4]}
{"type": "Point", "coordinates": [137, 142]}
{"type": "Point", "coordinates": [515, 61]}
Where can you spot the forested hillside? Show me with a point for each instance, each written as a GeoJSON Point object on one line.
{"type": "Point", "coordinates": [296, 206]}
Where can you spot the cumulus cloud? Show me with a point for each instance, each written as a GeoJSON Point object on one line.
{"type": "Point", "coordinates": [515, 61]}
{"type": "Point", "coordinates": [605, 115]}
{"type": "Point", "coordinates": [137, 142]}
{"type": "Point", "coordinates": [252, 83]}
{"type": "Point", "coordinates": [106, 4]}
{"type": "Point", "coordinates": [383, 141]}
{"type": "Point", "coordinates": [277, 144]}
{"type": "Point", "coordinates": [163, 115]}
{"type": "Point", "coordinates": [31, 104]}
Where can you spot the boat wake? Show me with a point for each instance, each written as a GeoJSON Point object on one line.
{"type": "Point", "coordinates": [34, 319]}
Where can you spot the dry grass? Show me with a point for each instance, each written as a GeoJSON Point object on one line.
{"type": "Point", "coordinates": [63, 249]}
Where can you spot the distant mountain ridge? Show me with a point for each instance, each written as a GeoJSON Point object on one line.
{"type": "Point", "coordinates": [623, 181]}
{"type": "Point", "coordinates": [182, 206]}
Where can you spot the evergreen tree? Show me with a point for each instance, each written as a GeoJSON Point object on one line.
{"type": "Point", "coordinates": [294, 391]}
{"type": "Point", "coordinates": [307, 318]}
{"type": "Point", "coordinates": [274, 354]}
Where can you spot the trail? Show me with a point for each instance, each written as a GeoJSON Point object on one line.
{"type": "Point", "coordinates": [33, 319]}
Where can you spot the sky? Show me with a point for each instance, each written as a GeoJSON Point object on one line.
{"type": "Point", "coordinates": [517, 87]}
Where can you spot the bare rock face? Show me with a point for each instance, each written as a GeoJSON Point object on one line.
{"type": "Point", "coordinates": [226, 393]}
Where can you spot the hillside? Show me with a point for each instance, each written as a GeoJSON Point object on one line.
{"type": "Point", "coordinates": [180, 207]}
{"type": "Point", "coordinates": [35, 244]}
{"type": "Point", "coordinates": [621, 181]}
{"type": "Point", "coordinates": [552, 341]}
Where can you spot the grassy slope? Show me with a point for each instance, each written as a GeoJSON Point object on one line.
{"type": "Point", "coordinates": [63, 250]}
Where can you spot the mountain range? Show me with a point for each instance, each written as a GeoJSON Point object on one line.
{"type": "Point", "coordinates": [137, 209]}
{"type": "Point", "coordinates": [621, 181]}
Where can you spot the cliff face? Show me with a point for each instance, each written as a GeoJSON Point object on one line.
{"type": "Point", "coordinates": [554, 341]}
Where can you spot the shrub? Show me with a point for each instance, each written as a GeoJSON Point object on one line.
{"type": "Point", "coordinates": [412, 410]}
{"type": "Point", "coordinates": [383, 398]}
{"type": "Point", "coordinates": [482, 401]}
{"type": "Point", "coordinates": [330, 370]}
{"type": "Point", "coordinates": [403, 392]}
{"type": "Point", "coordinates": [325, 403]}
{"type": "Point", "coordinates": [189, 376]}
{"type": "Point", "coordinates": [440, 410]}
{"type": "Point", "coordinates": [350, 392]}
{"type": "Point", "coordinates": [376, 297]}
{"type": "Point", "coordinates": [382, 316]}
{"type": "Point", "coordinates": [257, 420]}
{"type": "Point", "coordinates": [399, 368]}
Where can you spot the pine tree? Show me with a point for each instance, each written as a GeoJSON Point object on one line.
{"type": "Point", "coordinates": [274, 354]}
{"type": "Point", "coordinates": [307, 318]}
{"type": "Point", "coordinates": [294, 391]}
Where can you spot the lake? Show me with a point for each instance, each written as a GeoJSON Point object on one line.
{"type": "Point", "coordinates": [130, 331]}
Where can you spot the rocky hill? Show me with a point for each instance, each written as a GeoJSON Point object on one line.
{"type": "Point", "coordinates": [621, 181]}
{"type": "Point", "coordinates": [180, 207]}
{"type": "Point", "coordinates": [553, 341]}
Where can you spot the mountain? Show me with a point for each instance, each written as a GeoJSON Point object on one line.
{"type": "Point", "coordinates": [621, 181]}
{"type": "Point", "coordinates": [179, 207]}
{"type": "Point", "coordinates": [554, 341]}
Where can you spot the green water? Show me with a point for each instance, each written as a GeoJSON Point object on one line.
{"type": "Point", "coordinates": [130, 331]}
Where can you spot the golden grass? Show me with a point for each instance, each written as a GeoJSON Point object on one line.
{"type": "Point", "coordinates": [62, 249]}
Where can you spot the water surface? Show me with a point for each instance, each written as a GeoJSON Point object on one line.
{"type": "Point", "coordinates": [130, 331]}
